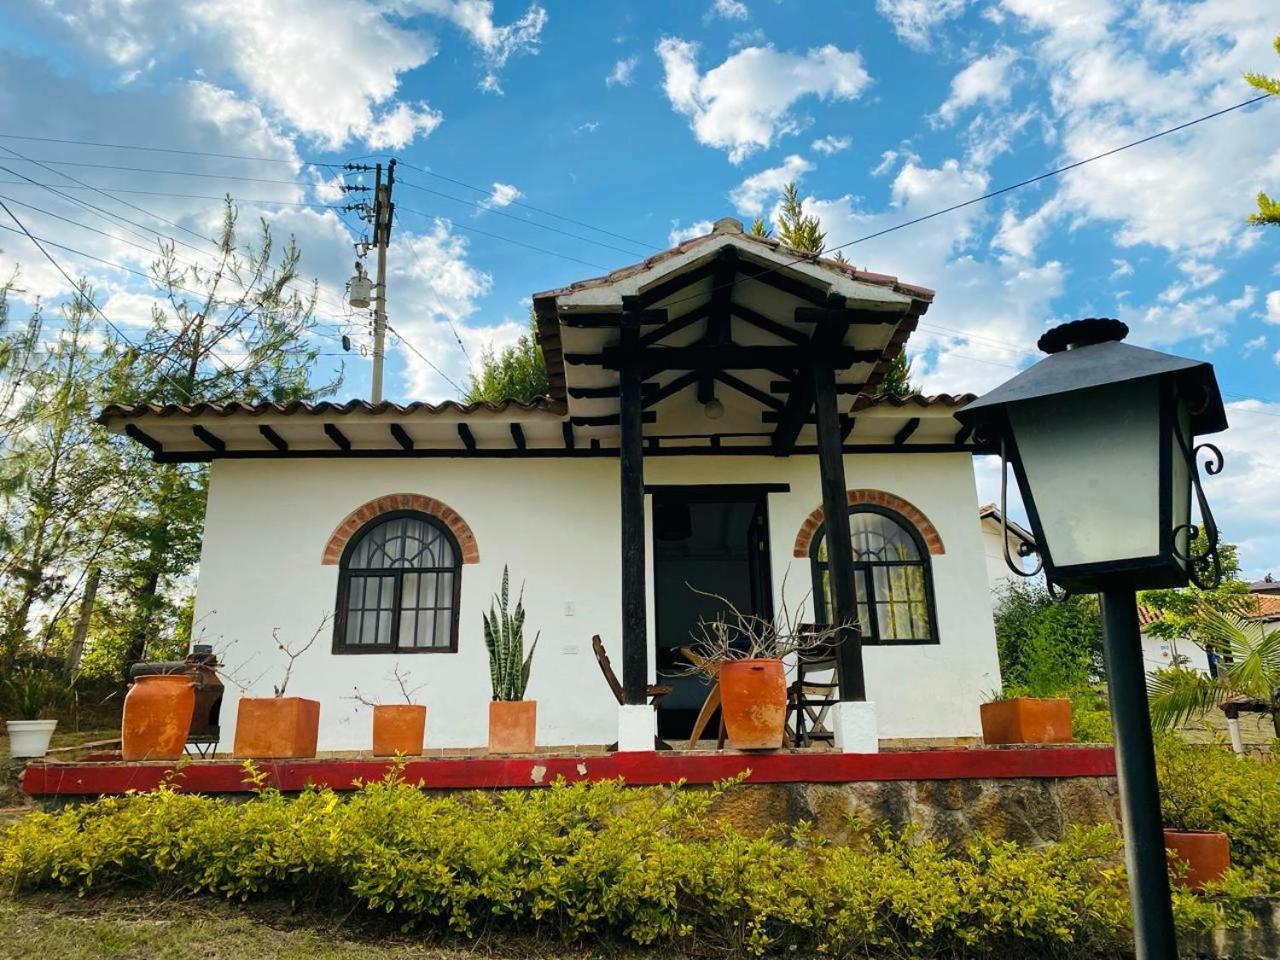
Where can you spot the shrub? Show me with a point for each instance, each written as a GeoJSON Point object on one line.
{"type": "Point", "coordinates": [1206, 787]}
{"type": "Point", "coordinates": [650, 865]}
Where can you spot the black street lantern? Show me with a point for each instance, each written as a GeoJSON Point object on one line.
{"type": "Point", "coordinates": [1101, 436]}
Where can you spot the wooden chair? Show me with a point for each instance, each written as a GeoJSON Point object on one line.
{"type": "Point", "coordinates": [810, 700]}
{"type": "Point", "coordinates": [710, 706]}
{"type": "Point", "coordinates": [654, 691]}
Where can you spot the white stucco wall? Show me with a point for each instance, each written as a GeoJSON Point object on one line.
{"type": "Point", "coordinates": [555, 522]}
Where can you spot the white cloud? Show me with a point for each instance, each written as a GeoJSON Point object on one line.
{"type": "Point", "coordinates": [1273, 307]}
{"type": "Point", "coordinates": [1254, 345]}
{"type": "Point", "coordinates": [916, 21]}
{"type": "Point", "coordinates": [1243, 496]}
{"type": "Point", "coordinates": [728, 10]}
{"type": "Point", "coordinates": [1019, 238]}
{"type": "Point", "coordinates": [679, 234]}
{"type": "Point", "coordinates": [986, 80]}
{"type": "Point", "coordinates": [1177, 318]}
{"type": "Point", "coordinates": [750, 196]}
{"type": "Point", "coordinates": [831, 144]}
{"type": "Point", "coordinates": [589, 126]}
{"type": "Point", "coordinates": [744, 104]}
{"type": "Point", "coordinates": [1122, 268]}
{"type": "Point", "coordinates": [498, 43]}
{"type": "Point", "coordinates": [401, 125]}
{"type": "Point", "coordinates": [623, 73]}
{"type": "Point", "coordinates": [502, 195]}
{"type": "Point", "coordinates": [1199, 273]}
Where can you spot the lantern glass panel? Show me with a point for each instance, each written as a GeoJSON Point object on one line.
{"type": "Point", "coordinates": [1092, 460]}
{"type": "Point", "coordinates": [1180, 483]}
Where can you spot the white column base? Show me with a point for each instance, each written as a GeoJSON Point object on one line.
{"type": "Point", "coordinates": [637, 727]}
{"type": "Point", "coordinates": [855, 727]}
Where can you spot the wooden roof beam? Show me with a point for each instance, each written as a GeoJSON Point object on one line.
{"type": "Point", "coordinates": [908, 428]}
{"type": "Point", "coordinates": [337, 436]}
{"type": "Point", "coordinates": [213, 442]}
{"type": "Point", "coordinates": [401, 437]}
{"type": "Point", "coordinates": [273, 438]}
{"type": "Point", "coordinates": [466, 436]}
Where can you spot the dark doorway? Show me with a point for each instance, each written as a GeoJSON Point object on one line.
{"type": "Point", "coordinates": [714, 538]}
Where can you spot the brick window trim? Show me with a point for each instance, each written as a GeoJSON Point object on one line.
{"type": "Point", "coordinates": [907, 510]}
{"type": "Point", "coordinates": [358, 517]}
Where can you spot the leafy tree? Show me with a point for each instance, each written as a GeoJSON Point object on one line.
{"type": "Point", "coordinates": [897, 381]}
{"type": "Point", "coordinates": [1181, 609]}
{"type": "Point", "coordinates": [518, 373]}
{"type": "Point", "coordinates": [1047, 646]}
{"type": "Point", "coordinates": [1268, 209]}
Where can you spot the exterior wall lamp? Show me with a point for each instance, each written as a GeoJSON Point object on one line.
{"type": "Point", "coordinates": [1101, 438]}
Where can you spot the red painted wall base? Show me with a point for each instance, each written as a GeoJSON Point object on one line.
{"type": "Point", "coordinates": [486, 773]}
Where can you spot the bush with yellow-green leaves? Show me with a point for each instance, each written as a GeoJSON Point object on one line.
{"type": "Point", "coordinates": [648, 865]}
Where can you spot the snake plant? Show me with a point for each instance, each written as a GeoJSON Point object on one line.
{"type": "Point", "coordinates": [504, 639]}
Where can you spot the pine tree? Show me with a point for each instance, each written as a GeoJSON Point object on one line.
{"type": "Point", "coordinates": [760, 229]}
{"type": "Point", "coordinates": [1268, 209]}
{"type": "Point", "coordinates": [518, 373]}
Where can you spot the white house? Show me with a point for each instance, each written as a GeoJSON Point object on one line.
{"type": "Point", "coordinates": [998, 538]}
{"type": "Point", "coordinates": [708, 408]}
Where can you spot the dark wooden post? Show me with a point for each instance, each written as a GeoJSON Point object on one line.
{"type": "Point", "coordinates": [635, 639]}
{"type": "Point", "coordinates": [835, 511]}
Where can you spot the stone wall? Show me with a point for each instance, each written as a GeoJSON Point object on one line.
{"type": "Point", "coordinates": [1028, 811]}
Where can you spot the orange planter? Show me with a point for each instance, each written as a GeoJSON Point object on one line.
{"type": "Point", "coordinates": [513, 726]}
{"type": "Point", "coordinates": [157, 717]}
{"type": "Point", "coordinates": [753, 696]}
{"type": "Point", "coordinates": [1026, 720]}
{"type": "Point", "coordinates": [277, 727]}
{"type": "Point", "coordinates": [398, 728]}
{"type": "Point", "coordinates": [1206, 855]}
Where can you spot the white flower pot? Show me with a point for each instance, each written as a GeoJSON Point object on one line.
{"type": "Point", "coordinates": [30, 738]}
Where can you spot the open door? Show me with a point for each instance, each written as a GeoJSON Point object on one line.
{"type": "Point", "coordinates": [713, 539]}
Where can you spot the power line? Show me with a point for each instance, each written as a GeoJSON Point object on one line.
{"type": "Point", "coordinates": [182, 196]}
{"type": "Point", "coordinates": [491, 208]}
{"type": "Point", "coordinates": [497, 236]}
{"type": "Point", "coordinates": [423, 357]}
{"type": "Point", "coordinates": [166, 173]}
{"type": "Point", "coordinates": [189, 153]}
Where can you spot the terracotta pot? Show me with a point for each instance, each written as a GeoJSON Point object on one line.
{"type": "Point", "coordinates": [513, 726]}
{"type": "Point", "coordinates": [157, 717]}
{"type": "Point", "coordinates": [276, 727]}
{"type": "Point", "coordinates": [1204, 854]}
{"type": "Point", "coordinates": [398, 728]}
{"type": "Point", "coordinates": [753, 696]}
{"type": "Point", "coordinates": [1026, 720]}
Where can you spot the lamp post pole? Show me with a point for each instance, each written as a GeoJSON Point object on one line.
{"type": "Point", "coordinates": [1153, 931]}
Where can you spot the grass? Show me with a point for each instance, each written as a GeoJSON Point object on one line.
{"type": "Point", "coordinates": [140, 928]}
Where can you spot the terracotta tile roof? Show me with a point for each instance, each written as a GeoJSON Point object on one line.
{"type": "Point", "coordinates": [324, 408]}
{"type": "Point", "coordinates": [1264, 608]}
{"type": "Point", "coordinates": [865, 276]}
{"type": "Point", "coordinates": [864, 401]}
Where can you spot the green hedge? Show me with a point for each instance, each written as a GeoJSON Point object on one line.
{"type": "Point", "coordinates": [650, 865]}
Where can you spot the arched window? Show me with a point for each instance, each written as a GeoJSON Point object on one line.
{"type": "Point", "coordinates": [398, 586]}
{"type": "Point", "coordinates": [891, 578]}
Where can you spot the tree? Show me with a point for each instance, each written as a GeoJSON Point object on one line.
{"type": "Point", "coordinates": [1181, 609]}
{"type": "Point", "coordinates": [1268, 209]}
{"type": "Point", "coordinates": [1046, 645]}
{"type": "Point", "coordinates": [760, 229]}
{"type": "Point", "coordinates": [518, 373]}
{"type": "Point", "coordinates": [1249, 669]}
{"type": "Point", "coordinates": [803, 232]}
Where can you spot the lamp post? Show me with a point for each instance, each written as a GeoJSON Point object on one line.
{"type": "Point", "coordinates": [1100, 435]}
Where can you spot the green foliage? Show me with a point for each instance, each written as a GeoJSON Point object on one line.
{"type": "Point", "coordinates": [504, 639]}
{"type": "Point", "coordinates": [519, 373]}
{"type": "Point", "coordinates": [1249, 669]}
{"type": "Point", "coordinates": [1180, 608]}
{"type": "Point", "coordinates": [897, 380]}
{"type": "Point", "coordinates": [1206, 787]}
{"type": "Point", "coordinates": [649, 865]}
{"type": "Point", "coordinates": [1047, 647]}
{"type": "Point", "coordinates": [1268, 209]}
{"type": "Point", "coordinates": [760, 229]}
{"type": "Point", "coordinates": [30, 692]}
{"type": "Point", "coordinates": [796, 229]}
{"type": "Point", "coordinates": [1090, 715]}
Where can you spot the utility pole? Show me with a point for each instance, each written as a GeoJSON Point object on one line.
{"type": "Point", "coordinates": [382, 213]}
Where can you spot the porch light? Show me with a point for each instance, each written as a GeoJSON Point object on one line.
{"type": "Point", "coordinates": [713, 408]}
{"type": "Point", "coordinates": [1101, 437]}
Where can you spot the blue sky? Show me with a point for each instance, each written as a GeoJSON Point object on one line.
{"type": "Point", "coordinates": [647, 121]}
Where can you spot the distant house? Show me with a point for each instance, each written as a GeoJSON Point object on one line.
{"type": "Point", "coordinates": [1158, 652]}
{"type": "Point", "coordinates": [1268, 585]}
{"type": "Point", "coordinates": [993, 537]}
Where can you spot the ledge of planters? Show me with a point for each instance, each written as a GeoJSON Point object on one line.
{"type": "Point", "coordinates": [87, 778]}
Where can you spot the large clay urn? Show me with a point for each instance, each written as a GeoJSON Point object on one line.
{"type": "Point", "coordinates": [276, 728]}
{"type": "Point", "coordinates": [157, 717]}
{"type": "Point", "coordinates": [398, 728]}
{"type": "Point", "coordinates": [753, 696]}
{"type": "Point", "coordinates": [1026, 720]}
{"type": "Point", "coordinates": [1203, 856]}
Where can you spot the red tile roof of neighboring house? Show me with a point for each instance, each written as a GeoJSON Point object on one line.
{"type": "Point", "coordinates": [324, 408]}
{"type": "Point", "coordinates": [1264, 608]}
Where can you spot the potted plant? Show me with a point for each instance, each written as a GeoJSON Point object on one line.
{"type": "Point", "coordinates": [513, 720]}
{"type": "Point", "coordinates": [398, 728]}
{"type": "Point", "coordinates": [1197, 856]}
{"type": "Point", "coordinates": [743, 653]}
{"type": "Point", "coordinates": [278, 727]}
{"type": "Point", "coordinates": [31, 692]}
{"type": "Point", "coordinates": [1028, 710]}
